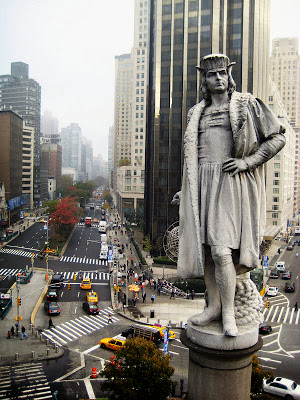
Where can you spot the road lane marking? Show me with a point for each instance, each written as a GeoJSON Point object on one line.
{"type": "Point", "coordinates": [274, 315]}
{"type": "Point", "coordinates": [179, 347]}
{"type": "Point", "coordinates": [91, 349]}
{"type": "Point", "coordinates": [286, 315]}
{"type": "Point", "coordinates": [292, 314]}
{"type": "Point", "coordinates": [279, 316]}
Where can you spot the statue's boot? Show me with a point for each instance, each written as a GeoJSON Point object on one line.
{"type": "Point", "coordinates": [229, 325]}
{"type": "Point", "coordinates": [209, 314]}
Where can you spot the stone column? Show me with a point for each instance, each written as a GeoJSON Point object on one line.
{"type": "Point", "coordinates": [216, 373]}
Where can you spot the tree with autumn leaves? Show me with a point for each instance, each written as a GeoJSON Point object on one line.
{"type": "Point", "coordinates": [138, 370]}
{"type": "Point", "coordinates": [63, 219]}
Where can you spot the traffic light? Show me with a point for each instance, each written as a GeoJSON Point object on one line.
{"type": "Point", "coordinates": [69, 286]}
{"type": "Point", "coordinates": [74, 277]}
{"type": "Point", "coordinates": [87, 242]}
{"type": "Point", "coordinates": [19, 301]}
{"type": "Point", "coordinates": [267, 304]}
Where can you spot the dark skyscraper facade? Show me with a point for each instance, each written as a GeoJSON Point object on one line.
{"type": "Point", "coordinates": [23, 95]}
{"type": "Point", "coordinates": [181, 33]}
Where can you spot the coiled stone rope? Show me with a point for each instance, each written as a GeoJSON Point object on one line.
{"type": "Point", "coordinates": [248, 303]}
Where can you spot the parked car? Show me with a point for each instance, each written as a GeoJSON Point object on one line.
{"type": "Point", "coordinates": [52, 295]}
{"type": "Point", "coordinates": [289, 287]}
{"type": "Point", "coordinates": [274, 274]}
{"type": "Point", "coordinates": [92, 297]}
{"type": "Point", "coordinates": [272, 291]}
{"type": "Point", "coordinates": [52, 308]}
{"type": "Point", "coordinates": [96, 220]}
{"type": "Point", "coordinates": [111, 343]}
{"type": "Point", "coordinates": [86, 283]}
{"type": "Point", "coordinates": [290, 248]}
{"type": "Point", "coordinates": [91, 308]}
{"type": "Point", "coordinates": [282, 387]}
{"type": "Point", "coordinates": [57, 280]}
{"type": "Point", "coordinates": [286, 275]}
{"type": "Point", "coordinates": [265, 328]}
{"type": "Point", "coordinates": [281, 266]}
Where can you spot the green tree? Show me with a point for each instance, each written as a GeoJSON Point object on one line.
{"type": "Point", "coordinates": [258, 375]}
{"type": "Point", "coordinates": [107, 197]}
{"type": "Point", "coordinates": [50, 205]}
{"type": "Point", "coordinates": [147, 243]}
{"type": "Point", "coordinates": [124, 162]}
{"type": "Point", "coordinates": [66, 180]}
{"type": "Point", "coordinates": [138, 371]}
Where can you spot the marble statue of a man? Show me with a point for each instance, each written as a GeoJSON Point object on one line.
{"type": "Point", "coordinates": [229, 137]}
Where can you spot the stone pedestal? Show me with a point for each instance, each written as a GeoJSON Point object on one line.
{"type": "Point", "coordinates": [215, 373]}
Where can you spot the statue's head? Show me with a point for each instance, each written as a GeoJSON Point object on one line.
{"type": "Point", "coordinates": [212, 63]}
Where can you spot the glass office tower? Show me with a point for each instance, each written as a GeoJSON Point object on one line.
{"type": "Point", "coordinates": [181, 33]}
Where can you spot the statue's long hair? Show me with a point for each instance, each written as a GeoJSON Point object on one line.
{"type": "Point", "coordinates": [231, 86]}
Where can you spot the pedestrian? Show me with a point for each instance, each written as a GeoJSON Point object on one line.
{"type": "Point", "coordinates": [51, 323]}
{"type": "Point", "coordinates": [144, 297]}
{"type": "Point", "coordinates": [187, 294]}
{"type": "Point", "coordinates": [172, 294]}
{"type": "Point", "coordinates": [133, 301]}
{"type": "Point", "coordinates": [193, 294]}
{"type": "Point", "coordinates": [109, 318]}
{"type": "Point", "coordinates": [23, 333]}
{"type": "Point", "coordinates": [8, 335]}
{"type": "Point", "coordinates": [296, 306]}
{"type": "Point", "coordinates": [152, 298]}
{"type": "Point", "coordinates": [158, 290]}
{"type": "Point", "coordinates": [12, 330]}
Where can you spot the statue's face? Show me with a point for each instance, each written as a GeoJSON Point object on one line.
{"type": "Point", "coordinates": [217, 81]}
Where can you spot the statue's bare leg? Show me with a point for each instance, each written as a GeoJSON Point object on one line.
{"type": "Point", "coordinates": [213, 310]}
{"type": "Point", "coordinates": [226, 281]}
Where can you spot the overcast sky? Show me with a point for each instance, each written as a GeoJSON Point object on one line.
{"type": "Point", "coordinates": [70, 47]}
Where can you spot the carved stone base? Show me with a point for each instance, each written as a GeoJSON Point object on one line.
{"type": "Point", "coordinates": [219, 374]}
{"type": "Point", "coordinates": [212, 336]}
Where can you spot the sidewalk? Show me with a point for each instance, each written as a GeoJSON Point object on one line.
{"type": "Point", "coordinates": [31, 295]}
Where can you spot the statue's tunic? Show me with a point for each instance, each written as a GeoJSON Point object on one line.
{"type": "Point", "coordinates": [215, 208]}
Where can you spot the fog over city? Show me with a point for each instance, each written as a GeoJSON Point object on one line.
{"type": "Point", "coordinates": [70, 47]}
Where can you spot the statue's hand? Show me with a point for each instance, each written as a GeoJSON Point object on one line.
{"type": "Point", "coordinates": [234, 166]}
{"type": "Point", "coordinates": [176, 199]}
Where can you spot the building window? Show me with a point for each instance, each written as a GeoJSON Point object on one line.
{"type": "Point", "coordinates": [277, 174]}
{"type": "Point", "coordinates": [275, 190]}
{"type": "Point", "coordinates": [276, 182]}
{"type": "Point", "coordinates": [275, 208]}
{"type": "Point", "coordinates": [274, 223]}
{"type": "Point", "coordinates": [275, 199]}
{"type": "Point", "coordinates": [275, 215]}
{"type": "Point", "coordinates": [277, 165]}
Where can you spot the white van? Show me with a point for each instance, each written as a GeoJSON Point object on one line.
{"type": "Point", "coordinates": [102, 227]}
{"type": "Point", "coordinates": [103, 252]}
{"type": "Point", "coordinates": [103, 238]}
{"type": "Point", "coordinates": [281, 266]}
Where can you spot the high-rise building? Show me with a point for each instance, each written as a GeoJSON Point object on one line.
{"type": "Point", "coordinates": [181, 33]}
{"type": "Point", "coordinates": [130, 178]}
{"type": "Point", "coordinates": [52, 162]}
{"type": "Point", "coordinates": [71, 140]}
{"type": "Point", "coordinates": [27, 169]}
{"type": "Point", "coordinates": [50, 125]}
{"type": "Point", "coordinates": [280, 173]}
{"type": "Point", "coordinates": [285, 73]}
{"type": "Point", "coordinates": [11, 150]}
{"type": "Point", "coordinates": [23, 95]}
{"type": "Point", "coordinates": [86, 159]}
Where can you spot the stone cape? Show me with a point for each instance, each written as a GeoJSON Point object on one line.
{"type": "Point", "coordinates": [253, 124]}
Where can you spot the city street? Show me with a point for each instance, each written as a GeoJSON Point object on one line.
{"type": "Point", "coordinates": [78, 333]}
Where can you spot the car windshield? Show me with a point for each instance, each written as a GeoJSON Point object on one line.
{"type": "Point", "coordinates": [93, 306]}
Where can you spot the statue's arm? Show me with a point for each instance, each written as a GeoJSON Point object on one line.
{"type": "Point", "coordinates": [271, 139]}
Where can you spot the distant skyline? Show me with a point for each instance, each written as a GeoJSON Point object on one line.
{"type": "Point", "coordinates": [70, 47]}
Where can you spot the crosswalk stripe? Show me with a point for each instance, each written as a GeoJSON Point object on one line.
{"type": "Point", "coordinates": [286, 315]}
{"type": "Point", "coordinates": [65, 334]}
{"type": "Point", "coordinates": [76, 329]}
{"type": "Point", "coordinates": [292, 314]}
{"type": "Point", "coordinates": [77, 323]}
{"type": "Point", "coordinates": [50, 335]}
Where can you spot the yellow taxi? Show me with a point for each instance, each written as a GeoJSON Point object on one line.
{"type": "Point", "coordinates": [162, 329]}
{"type": "Point", "coordinates": [86, 283]}
{"type": "Point", "coordinates": [96, 220]}
{"type": "Point", "coordinates": [42, 220]}
{"type": "Point", "coordinates": [111, 343]}
{"type": "Point", "coordinates": [92, 297]}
